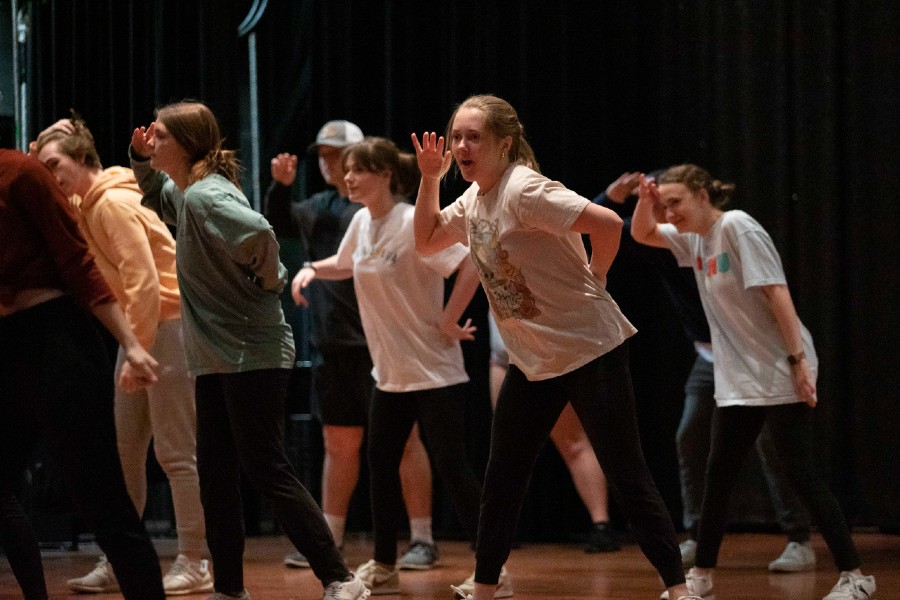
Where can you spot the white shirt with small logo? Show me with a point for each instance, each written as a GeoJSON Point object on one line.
{"type": "Point", "coordinates": [730, 264]}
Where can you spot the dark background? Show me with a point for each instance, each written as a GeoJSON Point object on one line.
{"type": "Point", "coordinates": [795, 102]}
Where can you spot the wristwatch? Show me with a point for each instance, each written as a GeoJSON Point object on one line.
{"type": "Point", "coordinates": [308, 265]}
{"type": "Point", "coordinates": [793, 359]}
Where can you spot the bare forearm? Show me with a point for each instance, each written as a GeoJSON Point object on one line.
{"type": "Point", "coordinates": [785, 317]}
{"type": "Point", "coordinates": [327, 269]}
{"type": "Point", "coordinates": [426, 221]}
{"type": "Point", "coordinates": [112, 317]}
{"type": "Point", "coordinates": [464, 289]}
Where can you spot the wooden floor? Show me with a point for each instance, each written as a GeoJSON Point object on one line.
{"type": "Point", "coordinates": [538, 571]}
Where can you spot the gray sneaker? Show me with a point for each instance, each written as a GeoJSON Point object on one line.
{"type": "Point", "coordinates": [296, 561]}
{"type": "Point", "coordinates": [796, 558]}
{"type": "Point", "coordinates": [421, 556]}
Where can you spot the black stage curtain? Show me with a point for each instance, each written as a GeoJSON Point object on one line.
{"type": "Point", "coordinates": [795, 102]}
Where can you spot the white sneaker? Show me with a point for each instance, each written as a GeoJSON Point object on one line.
{"type": "Point", "coordinates": [187, 577]}
{"type": "Point", "coordinates": [379, 580]}
{"type": "Point", "coordinates": [699, 586]}
{"type": "Point", "coordinates": [354, 589]}
{"type": "Point", "coordinates": [688, 550]}
{"type": "Point", "coordinates": [796, 558]}
{"type": "Point", "coordinates": [467, 587]}
{"type": "Point", "coordinates": [852, 587]}
{"type": "Point", "coordinates": [101, 580]}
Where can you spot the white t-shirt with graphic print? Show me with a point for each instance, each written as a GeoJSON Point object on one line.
{"type": "Point", "coordinates": [401, 300]}
{"type": "Point", "coordinates": [730, 264]}
{"type": "Point", "coordinates": [553, 314]}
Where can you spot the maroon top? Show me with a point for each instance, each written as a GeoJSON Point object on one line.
{"type": "Point", "coordinates": [40, 245]}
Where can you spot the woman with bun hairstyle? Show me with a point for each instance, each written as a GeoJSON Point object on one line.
{"type": "Point", "coordinates": [765, 364]}
{"type": "Point", "coordinates": [237, 343]}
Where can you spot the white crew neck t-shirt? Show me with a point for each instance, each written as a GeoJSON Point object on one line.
{"type": "Point", "coordinates": [401, 301]}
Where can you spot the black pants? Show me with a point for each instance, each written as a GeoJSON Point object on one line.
{"type": "Point", "coordinates": [56, 380]}
{"type": "Point", "coordinates": [240, 425]}
{"type": "Point", "coordinates": [734, 431]}
{"type": "Point", "coordinates": [601, 394]}
{"type": "Point", "coordinates": [441, 418]}
{"type": "Point", "coordinates": [21, 547]}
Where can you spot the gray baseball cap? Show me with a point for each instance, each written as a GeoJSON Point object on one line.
{"type": "Point", "coordinates": [339, 134]}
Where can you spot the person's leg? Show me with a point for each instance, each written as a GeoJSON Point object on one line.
{"type": "Point", "coordinates": [575, 449]}
{"type": "Point", "coordinates": [340, 472]}
{"type": "Point", "coordinates": [132, 415]}
{"type": "Point", "coordinates": [415, 479]}
{"type": "Point", "coordinates": [692, 440]}
{"type": "Point", "coordinates": [790, 426]}
{"type": "Point", "coordinates": [341, 392]}
{"type": "Point", "coordinates": [734, 431]}
{"type": "Point", "coordinates": [73, 398]}
{"type": "Point", "coordinates": [442, 418]}
{"type": "Point", "coordinates": [173, 417]}
{"type": "Point", "coordinates": [218, 467]}
{"type": "Point", "coordinates": [390, 421]}
{"type": "Point", "coordinates": [525, 413]}
{"type": "Point", "coordinates": [255, 404]}
{"type": "Point", "coordinates": [602, 397]}
{"type": "Point", "coordinates": [18, 432]}
{"type": "Point", "coordinates": [21, 547]}
{"type": "Point", "coordinates": [789, 511]}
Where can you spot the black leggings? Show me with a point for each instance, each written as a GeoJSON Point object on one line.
{"type": "Point", "coordinates": [734, 431]}
{"type": "Point", "coordinates": [601, 394]}
{"type": "Point", "coordinates": [240, 425]}
{"type": "Point", "coordinates": [441, 419]}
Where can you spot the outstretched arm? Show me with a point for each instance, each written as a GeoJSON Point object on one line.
{"type": "Point", "coordinates": [644, 224]}
{"type": "Point", "coordinates": [321, 269]}
{"type": "Point", "coordinates": [433, 162]}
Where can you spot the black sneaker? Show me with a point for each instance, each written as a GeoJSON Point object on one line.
{"type": "Point", "coordinates": [601, 539]}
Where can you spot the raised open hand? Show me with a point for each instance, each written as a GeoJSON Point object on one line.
{"type": "Point", "coordinates": [140, 140]}
{"type": "Point", "coordinates": [432, 159]}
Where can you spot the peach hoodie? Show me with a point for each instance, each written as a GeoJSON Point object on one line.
{"type": "Point", "coordinates": [134, 250]}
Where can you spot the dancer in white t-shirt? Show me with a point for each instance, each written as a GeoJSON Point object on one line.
{"type": "Point", "coordinates": [563, 331]}
{"type": "Point", "coordinates": [765, 365]}
{"type": "Point", "coordinates": [413, 338]}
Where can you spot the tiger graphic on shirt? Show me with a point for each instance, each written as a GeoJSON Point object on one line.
{"type": "Point", "coordinates": [503, 281]}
